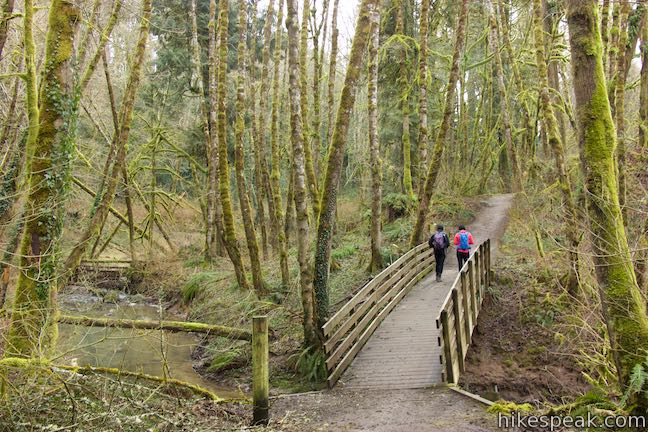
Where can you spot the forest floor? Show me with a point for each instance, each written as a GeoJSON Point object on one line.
{"type": "Point", "coordinates": [526, 347]}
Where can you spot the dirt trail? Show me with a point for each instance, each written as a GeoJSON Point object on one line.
{"type": "Point", "coordinates": [433, 409]}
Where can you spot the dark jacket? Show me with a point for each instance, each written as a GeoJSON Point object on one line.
{"type": "Point", "coordinates": [446, 240]}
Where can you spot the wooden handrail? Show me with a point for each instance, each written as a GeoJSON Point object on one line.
{"type": "Point", "coordinates": [457, 317]}
{"type": "Point", "coordinates": [351, 326]}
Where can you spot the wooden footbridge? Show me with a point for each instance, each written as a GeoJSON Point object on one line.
{"type": "Point", "coordinates": [403, 329]}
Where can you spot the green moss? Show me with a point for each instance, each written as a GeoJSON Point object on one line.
{"type": "Point", "coordinates": [225, 360]}
{"type": "Point", "coordinates": [508, 408]}
{"type": "Point", "coordinates": [344, 251]}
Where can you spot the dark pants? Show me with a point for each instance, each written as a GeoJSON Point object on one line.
{"type": "Point", "coordinates": [462, 257]}
{"type": "Point", "coordinates": [439, 258]}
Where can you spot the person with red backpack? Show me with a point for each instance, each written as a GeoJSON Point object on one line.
{"type": "Point", "coordinates": [462, 240]}
{"type": "Point", "coordinates": [439, 242]}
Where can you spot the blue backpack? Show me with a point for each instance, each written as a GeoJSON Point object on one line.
{"type": "Point", "coordinates": [463, 241]}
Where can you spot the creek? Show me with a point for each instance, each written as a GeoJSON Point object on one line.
{"type": "Point", "coordinates": [144, 351]}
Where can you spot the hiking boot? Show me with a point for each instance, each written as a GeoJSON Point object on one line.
{"type": "Point", "coordinates": [438, 278]}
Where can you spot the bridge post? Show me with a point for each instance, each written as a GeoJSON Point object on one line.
{"type": "Point", "coordinates": [488, 262]}
{"type": "Point", "coordinates": [478, 259]}
{"type": "Point", "coordinates": [482, 269]}
{"type": "Point", "coordinates": [447, 352]}
{"type": "Point", "coordinates": [467, 315]}
{"type": "Point", "coordinates": [458, 329]}
{"type": "Point", "coordinates": [260, 374]}
{"type": "Point", "coordinates": [473, 291]}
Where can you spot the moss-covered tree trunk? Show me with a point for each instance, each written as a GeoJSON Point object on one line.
{"type": "Point", "coordinates": [335, 32]}
{"type": "Point", "coordinates": [643, 90]}
{"type": "Point", "coordinates": [311, 338]}
{"type": "Point", "coordinates": [239, 156]}
{"type": "Point", "coordinates": [624, 309]}
{"type": "Point", "coordinates": [435, 163]}
{"type": "Point", "coordinates": [404, 86]}
{"type": "Point", "coordinates": [229, 234]}
{"type": "Point", "coordinates": [612, 47]}
{"type": "Point", "coordinates": [619, 97]}
{"type": "Point", "coordinates": [572, 228]}
{"type": "Point", "coordinates": [423, 80]}
{"type": "Point", "coordinates": [6, 10]}
{"type": "Point", "coordinates": [605, 31]}
{"type": "Point", "coordinates": [264, 94]}
{"type": "Point", "coordinates": [642, 260]}
{"type": "Point", "coordinates": [303, 75]}
{"type": "Point", "coordinates": [521, 101]}
{"type": "Point", "coordinates": [215, 230]}
{"type": "Point", "coordinates": [275, 174]}
{"type": "Point", "coordinates": [261, 173]}
{"type": "Point", "coordinates": [374, 146]}
{"type": "Point", "coordinates": [505, 113]}
{"type": "Point", "coordinates": [327, 215]}
{"type": "Point", "coordinates": [50, 149]}
{"type": "Point", "coordinates": [204, 117]}
{"type": "Point", "coordinates": [316, 86]}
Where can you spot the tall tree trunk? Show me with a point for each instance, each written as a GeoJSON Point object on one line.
{"type": "Point", "coordinates": [244, 200]}
{"type": "Point", "coordinates": [605, 33]}
{"type": "Point", "coordinates": [260, 160]}
{"type": "Point", "coordinates": [528, 138]}
{"type": "Point", "coordinates": [437, 153]}
{"type": "Point", "coordinates": [317, 75]}
{"type": "Point", "coordinates": [50, 146]}
{"type": "Point", "coordinates": [423, 93]}
{"type": "Point", "coordinates": [303, 73]}
{"type": "Point", "coordinates": [275, 174]}
{"type": "Point", "coordinates": [229, 235]}
{"type": "Point", "coordinates": [120, 139]}
{"type": "Point", "coordinates": [204, 111]}
{"type": "Point", "coordinates": [623, 307]}
{"type": "Point", "coordinates": [332, 72]}
{"type": "Point", "coordinates": [619, 96]}
{"type": "Point", "coordinates": [572, 228]}
{"type": "Point", "coordinates": [215, 230]}
{"type": "Point", "coordinates": [612, 44]}
{"type": "Point", "coordinates": [264, 183]}
{"type": "Point", "coordinates": [7, 10]}
{"type": "Point", "coordinates": [311, 338]}
{"type": "Point", "coordinates": [326, 220]}
{"type": "Point", "coordinates": [374, 146]}
{"type": "Point", "coordinates": [643, 90]}
{"type": "Point", "coordinates": [505, 112]}
{"type": "Point", "coordinates": [404, 87]}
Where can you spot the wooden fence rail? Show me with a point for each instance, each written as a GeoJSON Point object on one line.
{"type": "Point", "coordinates": [349, 329]}
{"type": "Point", "coordinates": [458, 316]}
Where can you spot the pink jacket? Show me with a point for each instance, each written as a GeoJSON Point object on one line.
{"type": "Point", "coordinates": [457, 240]}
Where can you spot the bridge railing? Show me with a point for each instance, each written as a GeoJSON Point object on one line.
{"type": "Point", "coordinates": [458, 316]}
{"type": "Point", "coordinates": [348, 330]}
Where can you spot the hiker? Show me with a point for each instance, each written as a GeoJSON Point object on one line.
{"type": "Point", "coordinates": [439, 242]}
{"type": "Point", "coordinates": [462, 240]}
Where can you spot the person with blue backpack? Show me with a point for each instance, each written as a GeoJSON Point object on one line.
{"type": "Point", "coordinates": [462, 240]}
{"type": "Point", "coordinates": [439, 242]}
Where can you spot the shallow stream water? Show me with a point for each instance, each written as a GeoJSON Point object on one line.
{"type": "Point", "coordinates": [129, 349]}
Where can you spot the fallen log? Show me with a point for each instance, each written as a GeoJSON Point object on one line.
{"type": "Point", "coordinates": [172, 326]}
{"type": "Point", "coordinates": [13, 362]}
